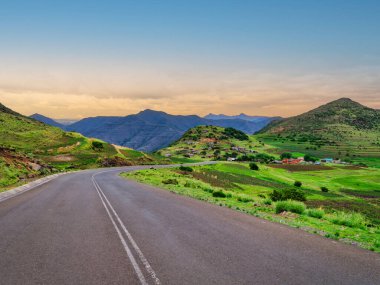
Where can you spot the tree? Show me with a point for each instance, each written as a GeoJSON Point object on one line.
{"type": "Point", "coordinates": [253, 166]}
{"type": "Point", "coordinates": [310, 158]}
{"type": "Point", "coordinates": [298, 183]}
{"type": "Point", "coordinates": [286, 155]}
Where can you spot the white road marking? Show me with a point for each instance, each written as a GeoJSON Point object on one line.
{"type": "Point", "coordinates": [143, 260]}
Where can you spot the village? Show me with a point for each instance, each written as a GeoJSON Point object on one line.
{"type": "Point", "coordinates": [211, 150]}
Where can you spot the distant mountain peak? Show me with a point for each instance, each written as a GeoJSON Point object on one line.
{"type": "Point", "coordinates": [150, 111]}
{"type": "Point", "coordinates": [46, 120]}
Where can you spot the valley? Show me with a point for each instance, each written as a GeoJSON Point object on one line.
{"type": "Point", "coordinates": [324, 173]}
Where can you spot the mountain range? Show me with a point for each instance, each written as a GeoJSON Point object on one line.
{"type": "Point", "coordinates": [242, 116]}
{"type": "Point", "coordinates": [150, 130]}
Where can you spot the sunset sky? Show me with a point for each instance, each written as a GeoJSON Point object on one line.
{"type": "Point", "coordinates": [73, 59]}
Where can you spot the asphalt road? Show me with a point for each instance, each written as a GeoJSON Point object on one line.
{"type": "Point", "coordinates": [94, 227]}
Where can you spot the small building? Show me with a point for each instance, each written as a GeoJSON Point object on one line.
{"type": "Point", "coordinates": [327, 160]}
{"type": "Point", "coordinates": [231, 159]}
{"type": "Point", "coordinates": [292, 161]}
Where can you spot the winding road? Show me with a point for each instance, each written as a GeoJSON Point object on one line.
{"type": "Point", "coordinates": [94, 227]}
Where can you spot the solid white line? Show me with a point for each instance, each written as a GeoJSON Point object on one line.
{"type": "Point", "coordinates": [124, 243]}
{"type": "Point", "coordinates": [148, 267]}
{"type": "Point", "coordinates": [144, 261]}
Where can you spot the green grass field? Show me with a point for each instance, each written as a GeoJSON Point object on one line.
{"type": "Point", "coordinates": [349, 211]}
{"type": "Point", "coordinates": [350, 144]}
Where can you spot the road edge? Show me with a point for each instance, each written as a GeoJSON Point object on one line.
{"type": "Point", "coordinates": [29, 186]}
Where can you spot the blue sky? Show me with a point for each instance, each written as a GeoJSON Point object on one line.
{"type": "Point", "coordinates": [260, 57]}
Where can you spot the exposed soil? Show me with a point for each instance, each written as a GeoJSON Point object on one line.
{"type": "Point", "coordinates": [301, 167]}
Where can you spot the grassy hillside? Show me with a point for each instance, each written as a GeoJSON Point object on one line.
{"type": "Point", "coordinates": [211, 143]}
{"type": "Point", "coordinates": [349, 210]}
{"type": "Point", "coordinates": [342, 129]}
{"type": "Point", "coordinates": [29, 148]}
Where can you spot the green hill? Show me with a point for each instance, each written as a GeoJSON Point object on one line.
{"type": "Point", "coordinates": [342, 128]}
{"type": "Point", "coordinates": [29, 149]}
{"type": "Point", "coordinates": [210, 143]}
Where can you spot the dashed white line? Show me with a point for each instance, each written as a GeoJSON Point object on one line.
{"type": "Point", "coordinates": [143, 260]}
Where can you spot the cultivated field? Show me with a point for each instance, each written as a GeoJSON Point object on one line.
{"type": "Point", "coordinates": [347, 209]}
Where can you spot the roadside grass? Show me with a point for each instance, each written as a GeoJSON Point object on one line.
{"type": "Point", "coordinates": [315, 213]}
{"type": "Point", "coordinates": [290, 206]}
{"type": "Point", "coordinates": [235, 186]}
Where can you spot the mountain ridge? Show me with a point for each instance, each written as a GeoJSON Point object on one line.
{"type": "Point", "coordinates": [150, 130]}
{"type": "Point", "coordinates": [46, 120]}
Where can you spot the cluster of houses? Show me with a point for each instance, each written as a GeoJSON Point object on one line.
{"type": "Point", "coordinates": [210, 146]}
{"type": "Point", "coordinates": [301, 160]}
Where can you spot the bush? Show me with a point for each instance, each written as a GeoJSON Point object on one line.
{"type": "Point", "coordinates": [288, 194]}
{"type": "Point", "coordinates": [97, 145]}
{"type": "Point", "coordinates": [310, 158]}
{"type": "Point", "coordinates": [219, 194]}
{"type": "Point", "coordinates": [298, 183]}
{"type": "Point", "coordinates": [267, 201]}
{"type": "Point", "coordinates": [324, 189]}
{"type": "Point", "coordinates": [244, 199]}
{"type": "Point", "coordinates": [253, 166]}
{"type": "Point", "coordinates": [353, 220]}
{"type": "Point", "coordinates": [185, 168]}
{"type": "Point", "coordinates": [315, 213]}
{"type": "Point", "coordinates": [290, 206]}
{"type": "Point", "coordinates": [209, 190]}
{"type": "Point", "coordinates": [170, 181]}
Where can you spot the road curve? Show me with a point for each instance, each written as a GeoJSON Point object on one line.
{"type": "Point", "coordinates": [94, 227]}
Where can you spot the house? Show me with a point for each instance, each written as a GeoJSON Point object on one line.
{"type": "Point", "coordinates": [292, 161]}
{"type": "Point", "coordinates": [231, 159]}
{"type": "Point", "coordinates": [277, 162]}
{"type": "Point", "coordinates": [327, 160]}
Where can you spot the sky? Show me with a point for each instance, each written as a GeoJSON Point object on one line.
{"type": "Point", "coordinates": [76, 58]}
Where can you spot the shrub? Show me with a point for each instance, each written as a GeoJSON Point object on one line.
{"type": "Point", "coordinates": [297, 183]}
{"type": "Point", "coordinates": [324, 189]}
{"type": "Point", "coordinates": [244, 199]}
{"type": "Point", "coordinates": [185, 168]}
{"type": "Point", "coordinates": [353, 220]}
{"type": "Point", "coordinates": [97, 145]}
{"type": "Point", "coordinates": [170, 181]}
{"type": "Point", "coordinates": [315, 213]}
{"type": "Point", "coordinates": [253, 166]}
{"type": "Point", "coordinates": [310, 158]}
{"type": "Point", "coordinates": [209, 190]}
{"type": "Point", "coordinates": [219, 194]}
{"type": "Point", "coordinates": [288, 194]}
{"type": "Point", "coordinates": [267, 201]}
{"type": "Point", "coordinates": [290, 206]}
{"type": "Point", "coordinates": [262, 196]}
